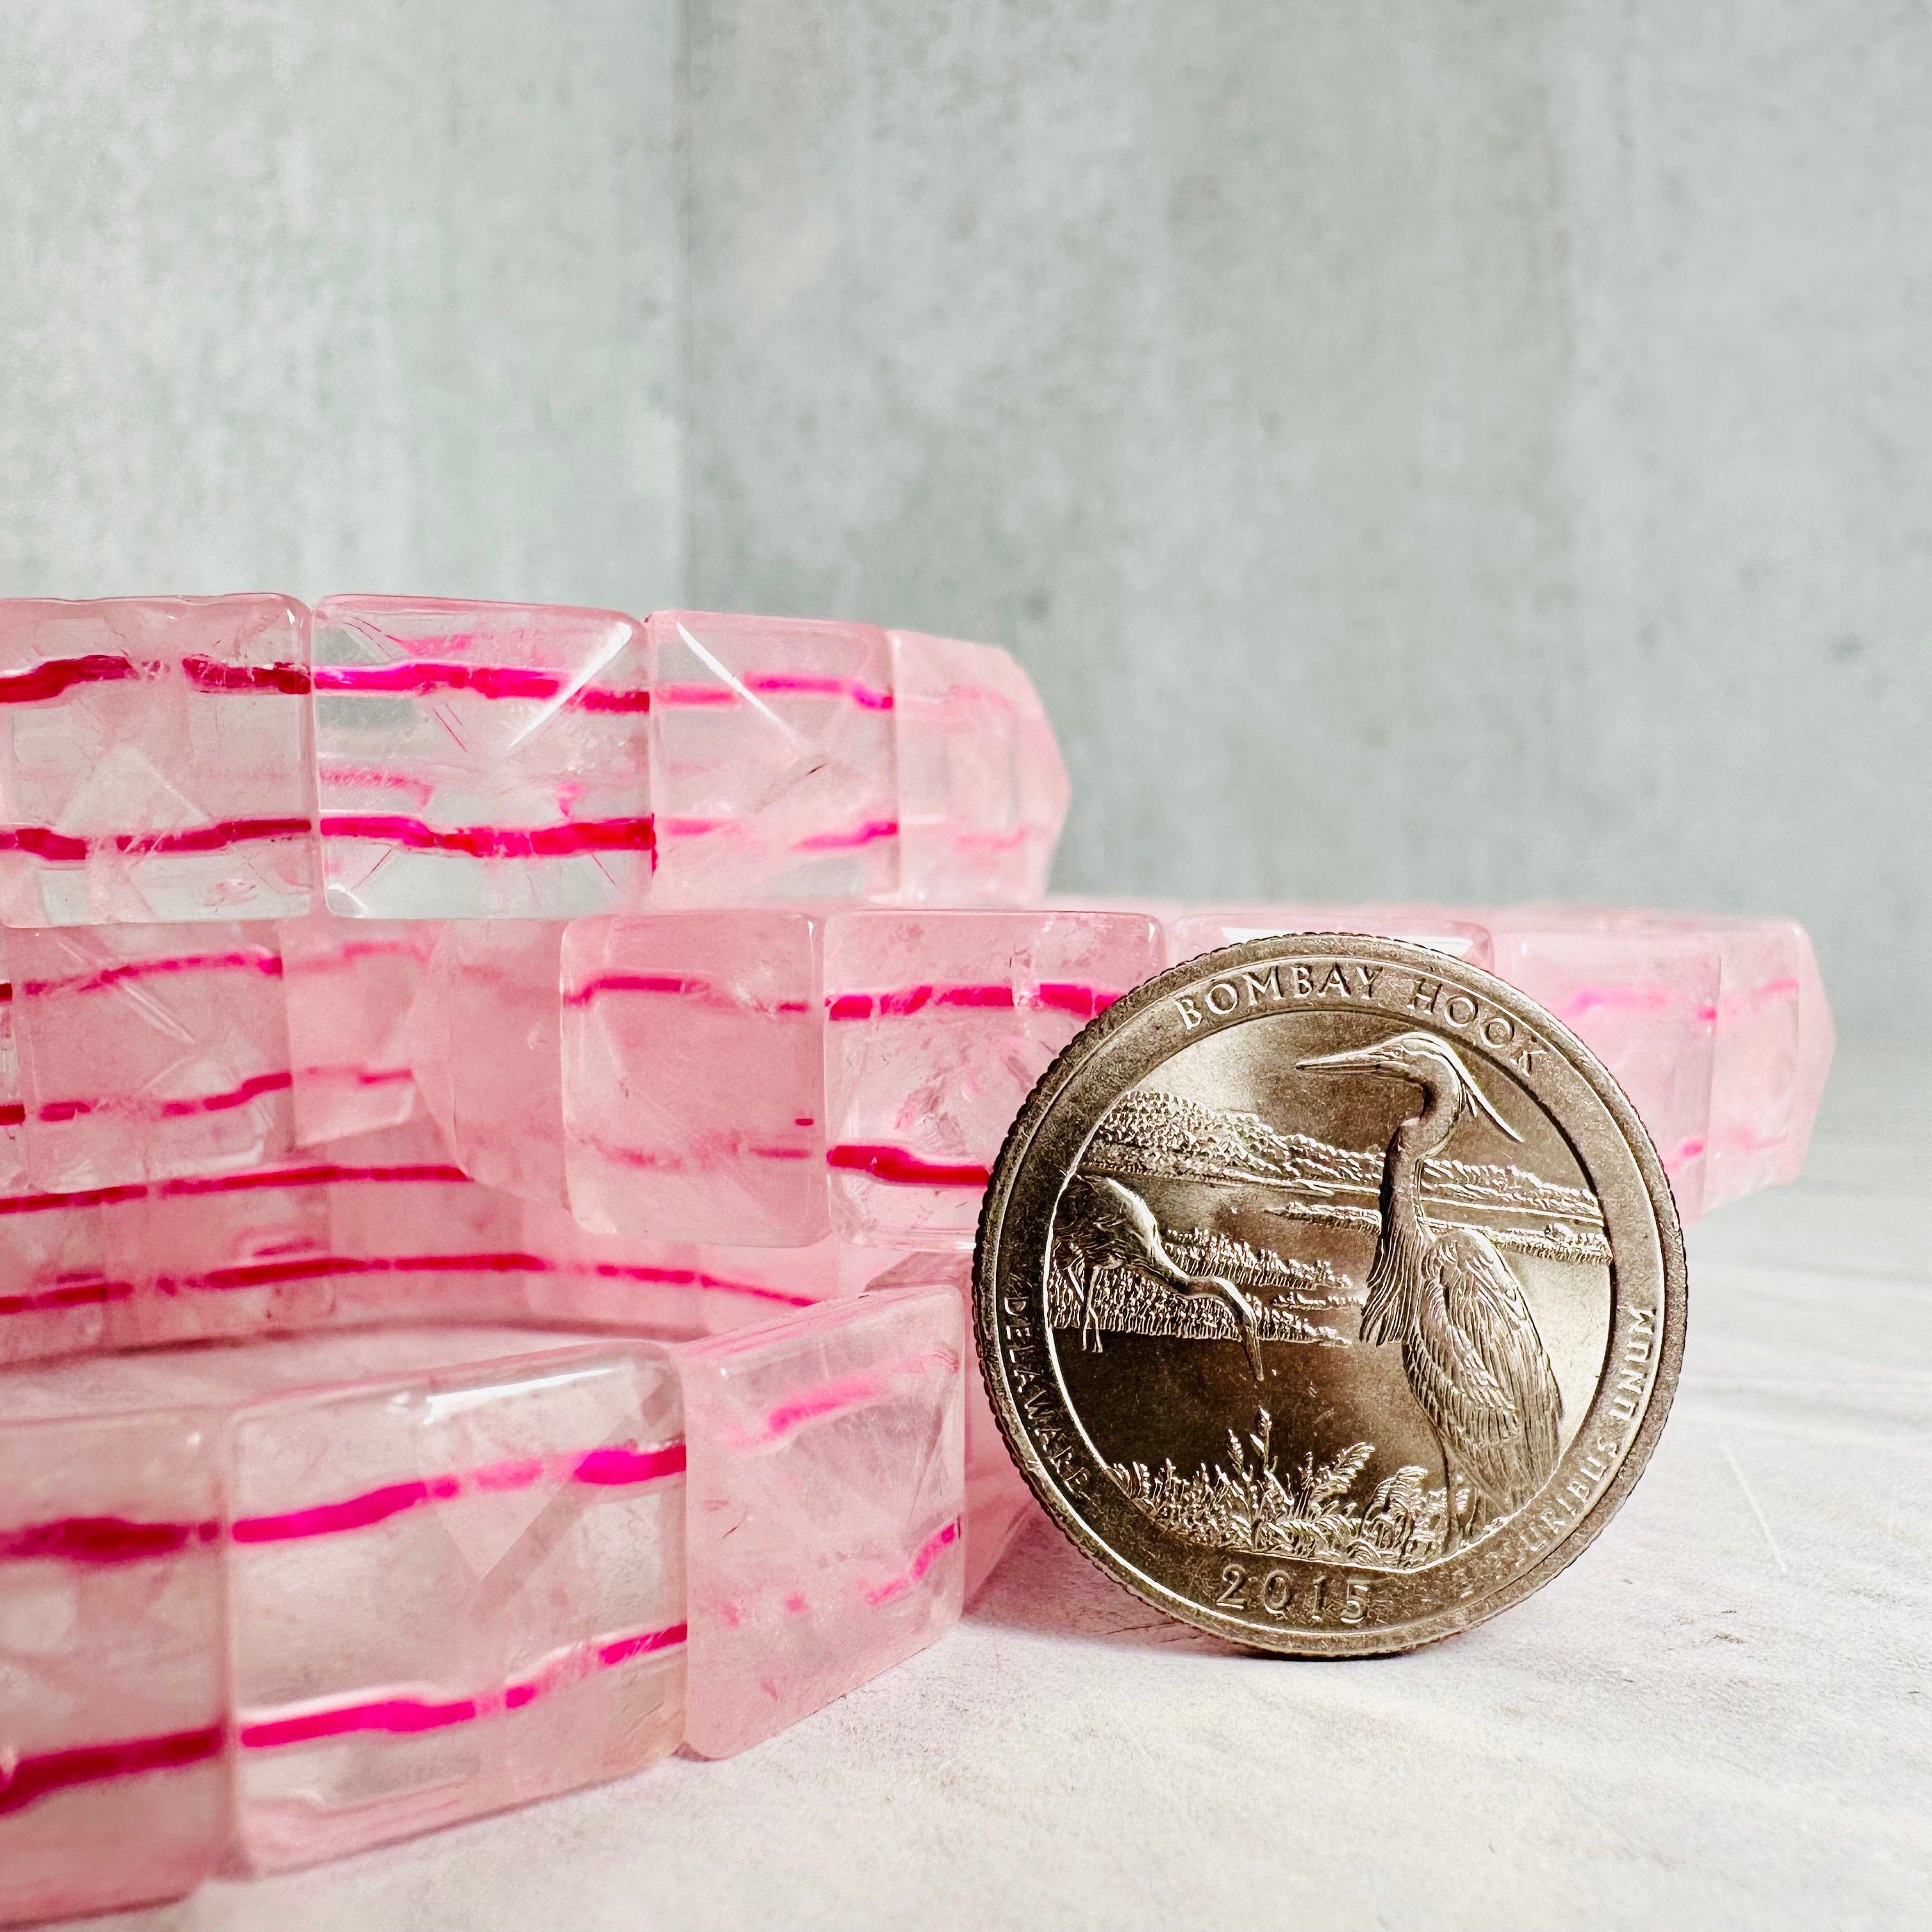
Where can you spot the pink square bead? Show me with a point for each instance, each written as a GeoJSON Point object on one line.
{"type": "Point", "coordinates": [937, 1024]}
{"type": "Point", "coordinates": [1644, 999]}
{"type": "Point", "coordinates": [1763, 1074]}
{"type": "Point", "coordinates": [349, 985]}
{"type": "Point", "coordinates": [694, 1078]}
{"type": "Point", "coordinates": [154, 761]}
{"type": "Point", "coordinates": [982, 791]}
{"type": "Point", "coordinates": [825, 1507]}
{"type": "Point", "coordinates": [112, 1783]}
{"type": "Point", "coordinates": [150, 1050]}
{"type": "Point", "coordinates": [1817, 1040]}
{"type": "Point", "coordinates": [773, 747]}
{"type": "Point", "coordinates": [999, 1504]}
{"type": "Point", "coordinates": [481, 760]}
{"type": "Point", "coordinates": [451, 1593]}
{"type": "Point", "coordinates": [487, 1048]}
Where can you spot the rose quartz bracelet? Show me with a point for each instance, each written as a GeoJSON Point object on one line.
{"type": "Point", "coordinates": [457, 1358]}
{"type": "Point", "coordinates": [169, 759]}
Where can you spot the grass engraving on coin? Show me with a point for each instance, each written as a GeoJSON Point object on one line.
{"type": "Point", "coordinates": [1330, 1293]}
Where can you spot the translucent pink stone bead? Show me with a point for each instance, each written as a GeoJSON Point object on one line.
{"type": "Point", "coordinates": [1462, 936]}
{"type": "Point", "coordinates": [826, 1506]}
{"type": "Point", "coordinates": [999, 1504]}
{"type": "Point", "coordinates": [1645, 1001]}
{"type": "Point", "coordinates": [481, 760]}
{"type": "Point", "coordinates": [452, 1593]}
{"type": "Point", "coordinates": [693, 1078]}
{"type": "Point", "coordinates": [936, 1025]}
{"type": "Point", "coordinates": [983, 792]}
{"type": "Point", "coordinates": [487, 1051]}
{"type": "Point", "coordinates": [154, 761]}
{"type": "Point", "coordinates": [1773, 1048]}
{"type": "Point", "coordinates": [112, 1785]}
{"type": "Point", "coordinates": [349, 985]}
{"type": "Point", "coordinates": [772, 740]}
{"type": "Point", "coordinates": [149, 1051]}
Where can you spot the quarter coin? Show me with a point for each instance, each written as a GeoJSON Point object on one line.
{"type": "Point", "coordinates": [1330, 1293]}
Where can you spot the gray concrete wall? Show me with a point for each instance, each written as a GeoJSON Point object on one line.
{"type": "Point", "coordinates": [1472, 449]}
{"type": "Point", "coordinates": [378, 294]}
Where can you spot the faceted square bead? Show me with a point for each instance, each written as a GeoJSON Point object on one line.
{"type": "Point", "coordinates": [694, 1077]}
{"type": "Point", "coordinates": [149, 1051]}
{"type": "Point", "coordinates": [982, 791]}
{"type": "Point", "coordinates": [349, 986]}
{"type": "Point", "coordinates": [481, 760]}
{"type": "Point", "coordinates": [1767, 1075]}
{"type": "Point", "coordinates": [772, 743]}
{"type": "Point", "coordinates": [486, 1051]}
{"type": "Point", "coordinates": [1645, 1001]}
{"type": "Point", "coordinates": [154, 761]}
{"type": "Point", "coordinates": [112, 1783]}
{"type": "Point", "coordinates": [825, 1507]}
{"type": "Point", "coordinates": [453, 1592]}
{"type": "Point", "coordinates": [1461, 935]}
{"type": "Point", "coordinates": [54, 1290]}
{"type": "Point", "coordinates": [937, 1024]}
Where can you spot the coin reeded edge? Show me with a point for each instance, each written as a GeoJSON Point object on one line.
{"type": "Point", "coordinates": [1093, 1042]}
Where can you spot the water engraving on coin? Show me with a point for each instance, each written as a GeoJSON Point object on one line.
{"type": "Point", "coordinates": [1330, 1293]}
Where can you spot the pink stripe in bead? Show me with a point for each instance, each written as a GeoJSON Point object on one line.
{"type": "Point", "coordinates": [928, 1554]}
{"type": "Point", "coordinates": [314, 1175]}
{"type": "Point", "coordinates": [1084, 1002]}
{"type": "Point", "coordinates": [111, 1540]}
{"type": "Point", "coordinates": [776, 685]}
{"type": "Point", "coordinates": [66, 1294]}
{"type": "Point", "coordinates": [901, 1168]}
{"type": "Point", "coordinates": [357, 1076]}
{"type": "Point", "coordinates": [608, 1468]}
{"type": "Point", "coordinates": [205, 673]}
{"type": "Point", "coordinates": [253, 959]}
{"type": "Point", "coordinates": [417, 677]}
{"type": "Point", "coordinates": [29, 1778]}
{"type": "Point", "coordinates": [58, 675]}
{"type": "Point", "coordinates": [38, 841]}
{"type": "Point", "coordinates": [1591, 999]}
{"type": "Point", "coordinates": [103, 1540]}
{"type": "Point", "coordinates": [494, 842]}
{"type": "Point", "coordinates": [405, 1716]}
{"type": "Point", "coordinates": [253, 1088]}
{"type": "Point", "coordinates": [843, 841]}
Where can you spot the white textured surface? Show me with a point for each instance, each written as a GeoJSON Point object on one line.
{"type": "Point", "coordinates": [1718, 1717]}
{"type": "Point", "coordinates": [340, 294]}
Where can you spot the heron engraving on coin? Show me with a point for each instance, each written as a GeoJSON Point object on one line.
{"type": "Point", "coordinates": [1105, 1224]}
{"type": "Point", "coordinates": [1470, 1349]}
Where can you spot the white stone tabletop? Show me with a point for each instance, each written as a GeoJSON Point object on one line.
{"type": "Point", "coordinates": [1718, 1717]}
